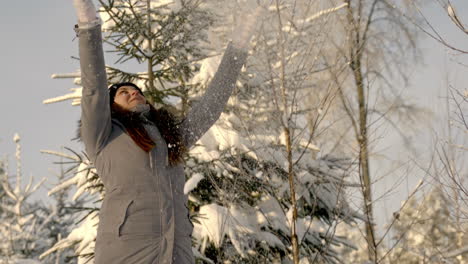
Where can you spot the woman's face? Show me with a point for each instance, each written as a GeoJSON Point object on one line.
{"type": "Point", "coordinates": [128, 97]}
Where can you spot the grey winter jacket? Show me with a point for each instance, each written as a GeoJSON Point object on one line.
{"type": "Point", "coordinates": [144, 216]}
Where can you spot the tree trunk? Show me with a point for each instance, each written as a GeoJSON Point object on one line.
{"type": "Point", "coordinates": [285, 123]}
{"type": "Point", "coordinates": [356, 49]}
{"type": "Point", "coordinates": [364, 172]}
{"type": "Point", "coordinates": [294, 240]}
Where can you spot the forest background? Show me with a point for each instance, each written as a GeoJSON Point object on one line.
{"type": "Point", "coordinates": [37, 45]}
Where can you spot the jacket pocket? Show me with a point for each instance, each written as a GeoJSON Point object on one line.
{"type": "Point", "coordinates": [123, 217]}
{"type": "Point", "coordinates": [113, 214]}
{"type": "Point", "coordinates": [142, 217]}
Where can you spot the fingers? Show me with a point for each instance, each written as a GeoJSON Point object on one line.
{"type": "Point", "coordinates": [85, 11]}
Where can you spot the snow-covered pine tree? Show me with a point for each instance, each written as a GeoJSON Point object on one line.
{"type": "Point", "coordinates": [82, 210]}
{"type": "Point", "coordinates": [160, 39]}
{"type": "Point", "coordinates": [64, 211]}
{"type": "Point", "coordinates": [242, 200]}
{"type": "Point", "coordinates": [23, 235]}
{"type": "Point", "coordinates": [163, 36]}
{"type": "Point", "coordinates": [239, 186]}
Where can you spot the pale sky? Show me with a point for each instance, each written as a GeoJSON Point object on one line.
{"type": "Point", "coordinates": [37, 41]}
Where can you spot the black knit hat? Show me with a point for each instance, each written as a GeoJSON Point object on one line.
{"type": "Point", "coordinates": [113, 90]}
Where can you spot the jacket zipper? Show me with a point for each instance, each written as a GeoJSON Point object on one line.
{"type": "Point", "coordinates": [151, 161]}
{"type": "Point", "coordinates": [155, 178]}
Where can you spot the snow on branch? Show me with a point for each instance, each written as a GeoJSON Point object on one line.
{"type": "Point", "coordinates": [75, 96]}
{"type": "Point", "coordinates": [60, 154]}
{"type": "Point", "coordinates": [65, 75]}
{"type": "Point", "coordinates": [192, 182]}
{"type": "Point", "coordinates": [454, 17]}
{"type": "Point", "coordinates": [82, 237]}
{"type": "Point", "coordinates": [325, 12]}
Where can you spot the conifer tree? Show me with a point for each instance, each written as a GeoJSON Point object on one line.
{"type": "Point", "coordinates": [162, 36]}
{"type": "Point", "coordinates": [63, 213]}
{"type": "Point", "coordinates": [22, 221]}
{"type": "Point", "coordinates": [78, 213]}
{"type": "Point", "coordinates": [241, 165]}
{"type": "Point", "coordinates": [238, 177]}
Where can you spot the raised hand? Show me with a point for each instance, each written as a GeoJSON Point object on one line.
{"type": "Point", "coordinates": [85, 11]}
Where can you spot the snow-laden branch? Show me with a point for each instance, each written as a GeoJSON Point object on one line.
{"type": "Point", "coordinates": [65, 75]}
{"type": "Point", "coordinates": [81, 237]}
{"type": "Point", "coordinates": [192, 182]}
{"type": "Point", "coordinates": [454, 17]}
{"type": "Point", "coordinates": [60, 154]}
{"type": "Point", "coordinates": [75, 95]}
{"type": "Point", "coordinates": [325, 12]}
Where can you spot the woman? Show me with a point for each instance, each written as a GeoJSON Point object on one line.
{"type": "Point", "coordinates": [137, 150]}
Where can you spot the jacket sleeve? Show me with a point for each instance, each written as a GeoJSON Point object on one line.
{"type": "Point", "coordinates": [95, 109]}
{"type": "Point", "coordinates": [205, 113]}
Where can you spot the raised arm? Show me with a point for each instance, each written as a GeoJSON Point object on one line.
{"type": "Point", "coordinates": [95, 109]}
{"type": "Point", "coordinates": [205, 113]}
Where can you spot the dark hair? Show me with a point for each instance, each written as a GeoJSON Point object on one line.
{"type": "Point", "coordinates": [113, 90]}
{"type": "Point", "coordinates": [161, 118]}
